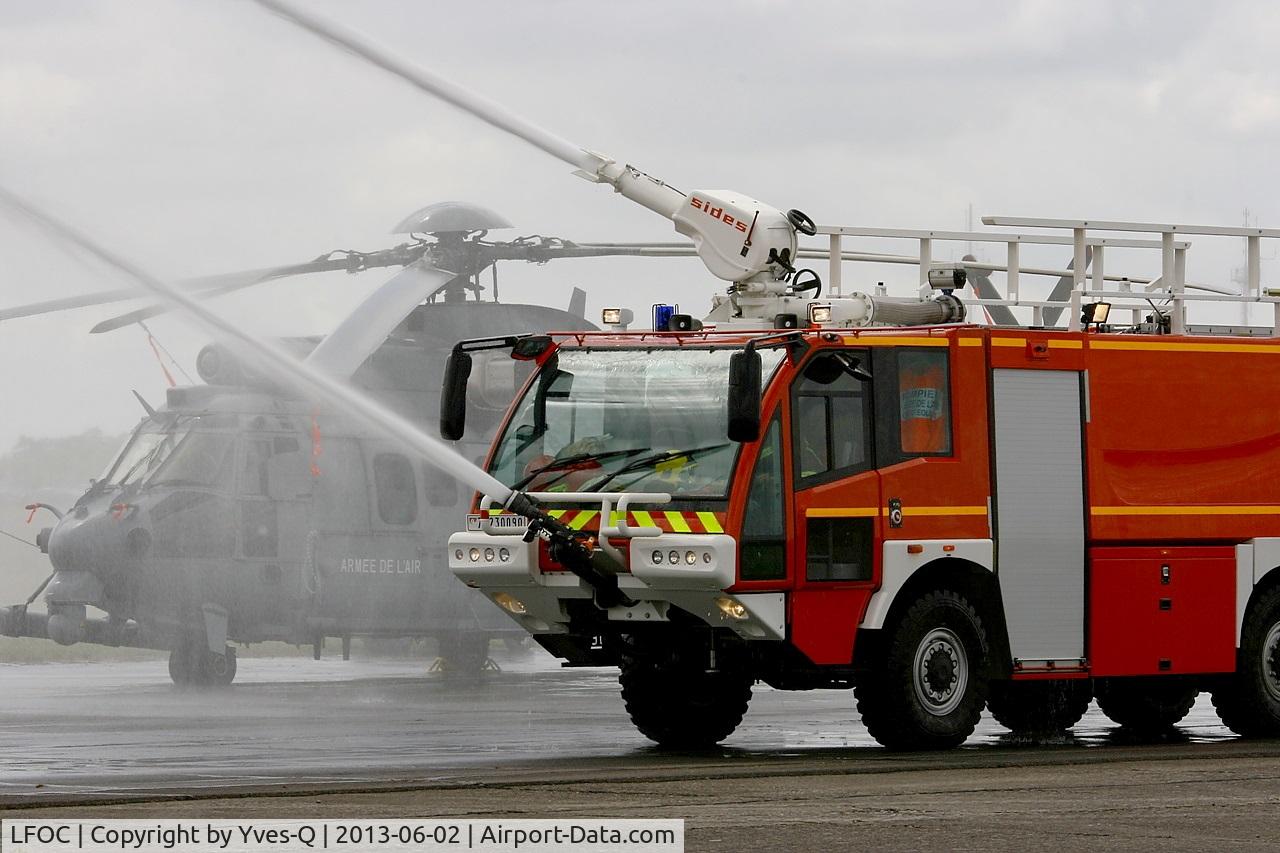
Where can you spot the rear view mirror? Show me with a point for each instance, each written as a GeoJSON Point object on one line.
{"type": "Point", "coordinates": [453, 396]}
{"type": "Point", "coordinates": [744, 396]}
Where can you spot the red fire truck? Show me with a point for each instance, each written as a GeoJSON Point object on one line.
{"type": "Point", "coordinates": [941, 518]}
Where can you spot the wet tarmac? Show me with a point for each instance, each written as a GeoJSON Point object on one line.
{"type": "Point", "coordinates": [106, 731]}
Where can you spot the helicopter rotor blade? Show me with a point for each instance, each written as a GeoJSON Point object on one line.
{"type": "Point", "coordinates": [300, 375]}
{"type": "Point", "coordinates": [356, 338]}
{"type": "Point", "coordinates": [106, 297]}
{"type": "Point", "coordinates": [222, 284]}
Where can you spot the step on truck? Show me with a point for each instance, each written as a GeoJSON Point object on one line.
{"type": "Point", "coordinates": [942, 518]}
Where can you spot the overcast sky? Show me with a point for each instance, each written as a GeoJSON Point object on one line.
{"type": "Point", "coordinates": [202, 137]}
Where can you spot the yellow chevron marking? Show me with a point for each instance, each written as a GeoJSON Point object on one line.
{"type": "Point", "coordinates": [677, 522]}
{"type": "Point", "coordinates": [582, 518]}
{"type": "Point", "coordinates": [710, 522]}
{"type": "Point", "coordinates": [643, 519]}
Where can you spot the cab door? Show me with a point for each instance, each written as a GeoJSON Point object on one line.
{"type": "Point", "coordinates": [837, 503]}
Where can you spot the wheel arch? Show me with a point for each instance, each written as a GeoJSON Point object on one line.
{"type": "Point", "coordinates": [975, 582]}
{"type": "Point", "coordinates": [1265, 583]}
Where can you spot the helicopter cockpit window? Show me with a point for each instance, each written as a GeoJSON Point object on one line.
{"type": "Point", "coordinates": [174, 452]}
{"type": "Point", "coordinates": [396, 487]}
{"type": "Point", "coordinates": [131, 464]}
{"type": "Point", "coordinates": [197, 459]}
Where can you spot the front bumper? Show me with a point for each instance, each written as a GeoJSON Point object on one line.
{"type": "Point", "coordinates": [688, 571]}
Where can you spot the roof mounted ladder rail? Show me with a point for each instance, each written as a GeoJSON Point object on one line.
{"type": "Point", "coordinates": [1172, 257]}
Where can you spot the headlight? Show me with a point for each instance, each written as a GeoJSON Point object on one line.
{"type": "Point", "coordinates": [706, 557]}
{"type": "Point", "coordinates": [511, 604]}
{"type": "Point", "coordinates": [458, 555]}
{"type": "Point", "coordinates": [732, 609]}
{"type": "Point", "coordinates": [474, 554]}
{"type": "Point", "coordinates": [690, 557]}
{"type": "Point", "coordinates": [488, 555]}
{"type": "Point", "coordinates": [673, 558]}
{"type": "Point", "coordinates": [504, 554]}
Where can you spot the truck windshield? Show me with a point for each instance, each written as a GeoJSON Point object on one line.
{"type": "Point", "coordinates": [624, 420]}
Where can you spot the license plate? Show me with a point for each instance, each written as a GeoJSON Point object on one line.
{"type": "Point", "coordinates": [503, 522]}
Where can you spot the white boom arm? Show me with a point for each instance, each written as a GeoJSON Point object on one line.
{"type": "Point", "coordinates": [738, 238]}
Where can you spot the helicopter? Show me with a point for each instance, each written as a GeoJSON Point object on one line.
{"type": "Point", "coordinates": [236, 513]}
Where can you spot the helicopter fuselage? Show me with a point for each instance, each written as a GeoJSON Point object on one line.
{"type": "Point", "coordinates": [238, 513]}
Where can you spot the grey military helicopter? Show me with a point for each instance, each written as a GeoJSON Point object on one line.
{"type": "Point", "coordinates": [236, 513]}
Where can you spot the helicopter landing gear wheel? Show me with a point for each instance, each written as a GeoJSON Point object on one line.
{"type": "Point", "coordinates": [182, 667]}
{"type": "Point", "coordinates": [191, 664]}
{"type": "Point", "coordinates": [464, 652]}
{"type": "Point", "coordinates": [928, 689]}
{"type": "Point", "coordinates": [1037, 708]}
{"type": "Point", "coordinates": [220, 670]}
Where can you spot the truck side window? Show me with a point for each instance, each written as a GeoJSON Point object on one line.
{"type": "Point", "coordinates": [396, 487]}
{"type": "Point", "coordinates": [838, 549]}
{"type": "Point", "coordinates": [913, 404]}
{"type": "Point", "coordinates": [763, 527]}
{"type": "Point", "coordinates": [830, 419]}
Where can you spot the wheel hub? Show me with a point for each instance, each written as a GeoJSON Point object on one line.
{"type": "Point", "coordinates": [941, 672]}
{"type": "Point", "coordinates": [1271, 662]}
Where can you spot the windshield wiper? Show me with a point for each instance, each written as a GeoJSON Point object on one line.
{"type": "Point", "coordinates": [572, 460]}
{"type": "Point", "coordinates": [653, 459]}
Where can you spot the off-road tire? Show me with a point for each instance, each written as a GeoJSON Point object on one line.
{"type": "Point", "coordinates": [1249, 702]}
{"type": "Point", "coordinates": [1039, 707]}
{"type": "Point", "coordinates": [1145, 705]}
{"type": "Point", "coordinates": [684, 707]}
{"type": "Point", "coordinates": [929, 688]}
